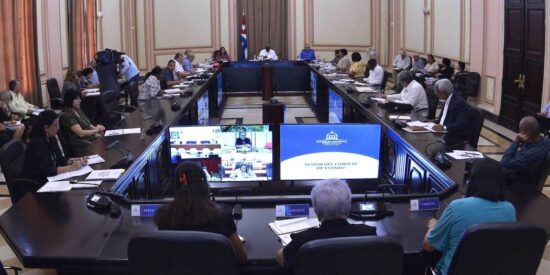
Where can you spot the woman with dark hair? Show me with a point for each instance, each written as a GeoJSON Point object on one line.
{"type": "Point", "coordinates": [431, 67]}
{"type": "Point", "coordinates": [151, 87]}
{"type": "Point", "coordinates": [336, 58]}
{"type": "Point", "coordinates": [43, 157]}
{"type": "Point", "coordinates": [192, 208]}
{"type": "Point", "coordinates": [356, 70]}
{"type": "Point", "coordinates": [76, 124]}
{"type": "Point", "coordinates": [483, 203]}
{"type": "Point", "coordinates": [343, 62]}
{"type": "Point", "coordinates": [221, 55]}
{"type": "Point", "coordinates": [446, 71]}
{"type": "Point", "coordinates": [71, 81]}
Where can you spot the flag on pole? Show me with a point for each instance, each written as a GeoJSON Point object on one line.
{"type": "Point", "coordinates": [244, 41]}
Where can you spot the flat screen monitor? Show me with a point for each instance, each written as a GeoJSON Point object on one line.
{"type": "Point", "coordinates": [219, 86]}
{"type": "Point", "coordinates": [202, 108]}
{"type": "Point", "coordinates": [323, 151]}
{"type": "Point", "coordinates": [313, 83]}
{"type": "Point", "coordinates": [226, 153]}
{"type": "Point", "coordinates": [335, 107]}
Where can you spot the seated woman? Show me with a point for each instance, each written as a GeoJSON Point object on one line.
{"type": "Point", "coordinates": [76, 124]}
{"type": "Point", "coordinates": [193, 210]}
{"type": "Point", "coordinates": [221, 55]}
{"type": "Point", "coordinates": [9, 128]}
{"type": "Point", "coordinates": [43, 157]}
{"type": "Point", "coordinates": [356, 70]}
{"type": "Point", "coordinates": [484, 202]}
{"type": "Point", "coordinates": [71, 82]}
{"type": "Point", "coordinates": [151, 87]}
{"type": "Point", "coordinates": [446, 71]}
{"type": "Point", "coordinates": [243, 172]}
{"type": "Point", "coordinates": [432, 67]}
{"type": "Point", "coordinates": [331, 201]}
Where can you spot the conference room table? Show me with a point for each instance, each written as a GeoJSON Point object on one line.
{"type": "Point", "coordinates": [58, 230]}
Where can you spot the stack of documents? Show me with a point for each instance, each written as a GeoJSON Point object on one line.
{"type": "Point", "coordinates": [80, 172]}
{"type": "Point", "coordinates": [181, 85]}
{"type": "Point", "coordinates": [172, 91]}
{"type": "Point", "coordinates": [284, 228]}
{"type": "Point", "coordinates": [421, 127]}
{"type": "Point", "coordinates": [64, 186]}
{"type": "Point", "coordinates": [400, 117]}
{"type": "Point", "coordinates": [460, 154]}
{"type": "Point", "coordinates": [109, 174]}
{"type": "Point", "coordinates": [94, 159]}
{"type": "Point", "coordinates": [120, 132]}
{"type": "Point", "coordinates": [36, 112]}
{"type": "Point", "coordinates": [365, 90]}
{"type": "Point", "coordinates": [91, 92]}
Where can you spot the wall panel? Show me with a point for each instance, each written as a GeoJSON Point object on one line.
{"type": "Point", "coordinates": [40, 36]}
{"type": "Point", "coordinates": [447, 28]}
{"type": "Point", "coordinates": [140, 27]}
{"type": "Point", "coordinates": [413, 25]}
{"type": "Point", "coordinates": [63, 31]}
{"type": "Point", "coordinates": [110, 25]}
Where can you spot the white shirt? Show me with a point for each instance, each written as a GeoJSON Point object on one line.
{"type": "Point", "coordinates": [376, 76]}
{"type": "Point", "coordinates": [177, 68]}
{"type": "Point", "coordinates": [413, 94]}
{"type": "Point", "coordinates": [431, 68]}
{"type": "Point", "coordinates": [401, 63]}
{"type": "Point", "coordinates": [445, 109]}
{"type": "Point", "coordinates": [268, 55]}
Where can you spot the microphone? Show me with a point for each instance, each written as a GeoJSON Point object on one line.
{"type": "Point", "coordinates": [109, 146]}
{"type": "Point", "coordinates": [237, 208]}
{"type": "Point", "coordinates": [127, 157]}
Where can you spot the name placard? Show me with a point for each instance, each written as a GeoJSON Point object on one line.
{"type": "Point", "coordinates": [292, 210]}
{"type": "Point", "coordinates": [145, 210]}
{"type": "Point", "coordinates": [425, 204]}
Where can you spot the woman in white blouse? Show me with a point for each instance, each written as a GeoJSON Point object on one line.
{"type": "Point", "coordinates": [151, 87]}
{"type": "Point", "coordinates": [431, 67]}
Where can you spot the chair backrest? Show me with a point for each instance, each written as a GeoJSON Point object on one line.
{"type": "Point", "coordinates": [433, 100]}
{"type": "Point", "coordinates": [410, 63]}
{"type": "Point", "coordinates": [53, 88]}
{"type": "Point", "coordinates": [350, 255]}
{"type": "Point", "coordinates": [499, 248]}
{"type": "Point", "coordinates": [384, 81]}
{"type": "Point", "coordinates": [476, 117]}
{"type": "Point", "coordinates": [467, 84]}
{"type": "Point", "coordinates": [181, 252]}
{"type": "Point", "coordinates": [108, 105]}
{"type": "Point", "coordinates": [133, 91]}
{"type": "Point", "coordinates": [544, 173]}
{"type": "Point", "coordinates": [12, 156]}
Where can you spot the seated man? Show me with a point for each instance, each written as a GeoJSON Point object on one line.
{"type": "Point", "coordinates": [242, 140]}
{"type": "Point", "coordinates": [86, 79]}
{"type": "Point", "coordinates": [418, 64]}
{"type": "Point", "coordinates": [243, 171]}
{"type": "Point", "coordinates": [544, 119]}
{"type": "Point", "coordinates": [454, 117]}
{"type": "Point", "coordinates": [413, 93]}
{"type": "Point", "coordinates": [307, 54]}
{"type": "Point", "coordinates": [168, 79]}
{"type": "Point", "coordinates": [376, 73]}
{"type": "Point", "coordinates": [400, 62]}
{"type": "Point", "coordinates": [18, 105]}
{"type": "Point", "coordinates": [188, 64]}
{"type": "Point", "coordinates": [268, 53]}
{"type": "Point", "coordinates": [331, 201]}
{"type": "Point", "coordinates": [179, 73]}
{"type": "Point", "coordinates": [525, 157]}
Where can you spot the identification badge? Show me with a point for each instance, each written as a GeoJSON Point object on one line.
{"type": "Point", "coordinates": [425, 204]}
{"type": "Point", "coordinates": [145, 210]}
{"type": "Point", "coordinates": [292, 210]}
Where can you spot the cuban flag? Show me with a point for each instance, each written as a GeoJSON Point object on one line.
{"type": "Point", "coordinates": [244, 41]}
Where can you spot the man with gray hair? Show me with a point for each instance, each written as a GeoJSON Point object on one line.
{"type": "Point", "coordinates": [455, 118]}
{"type": "Point", "coordinates": [413, 93]}
{"type": "Point", "coordinates": [331, 201]}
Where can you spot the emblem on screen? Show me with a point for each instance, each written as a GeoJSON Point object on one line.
{"type": "Point", "coordinates": [332, 139]}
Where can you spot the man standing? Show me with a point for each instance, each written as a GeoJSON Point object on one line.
{"type": "Point", "coordinates": [128, 69]}
{"type": "Point", "coordinates": [18, 106]}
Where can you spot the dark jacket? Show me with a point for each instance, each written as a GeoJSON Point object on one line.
{"type": "Point", "coordinates": [42, 159]}
{"type": "Point", "coordinates": [458, 123]}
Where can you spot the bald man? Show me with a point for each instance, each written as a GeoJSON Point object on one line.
{"type": "Point", "coordinates": [525, 157]}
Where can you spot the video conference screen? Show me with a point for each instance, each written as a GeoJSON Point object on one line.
{"type": "Point", "coordinates": [226, 153]}
{"type": "Point", "coordinates": [323, 151]}
{"type": "Point", "coordinates": [335, 107]}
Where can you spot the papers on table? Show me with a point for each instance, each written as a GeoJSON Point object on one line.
{"type": "Point", "coordinates": [336, 82]}
{"type": "Point", "coordinates": [285, 239]}
{"type": "Point", "coordinates": [109, 174]}
{"type": "Point", "coordinates": [91, 92]}
{"type": "Point", "coordinates": [172, 91]}
{"type": "Point", "coordinates": [36, 112]}
{"type": "Point", "coordinates": [360, 83]}
{"type": "Point", "coordinates": [348, 80]}
{"type": "Point", "coordinates": [93, 159]}
{"type": "Point", "coordinates": [120, 132]}
{"type": "Point", "coordinates": [181, 85]}
{"type": "Point", "coordinates": [284, 228]}
{"type": "Point", "coordinates": [82, 171]}
{"type": "Point", "coordinates": [461, 154]}
{"type": "Point", "coordinates": [392, 117]}
{"type": "Point", "coordinates": [64, 186]}
{"type": "Point", "coordinates": [365, 90]}
{"type": "Point", "coordinates": [421, 127]}
{"type": "Point", "coordinates": [381, 100]}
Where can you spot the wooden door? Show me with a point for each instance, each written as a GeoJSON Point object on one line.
{"type": "Point", "coordinates": [523, 60]}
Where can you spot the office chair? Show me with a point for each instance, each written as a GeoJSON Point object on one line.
{"type": "Point", "coordinates": [433, 101]}
{"type": "Point", "coordinates": [108, 106]}
{"type": "Point", "coordinates": [132, 92]}
{"type": "Point", "coordinates": [181, 252]}
{"type": "Point", "coordinates": [367, 255]}
{"type": "Point", "coordinates": [506, 248]}
{"type": "Point", "coordinates": [476, 117]}
{"type": "Point", "coordinates": [384, 81]}
{"type": "Point", "coordinates": [12, 157]}
{"type": "Point", "coordinates": [545, 171]}
{"type": "Point", "coordinates": [56, 101]}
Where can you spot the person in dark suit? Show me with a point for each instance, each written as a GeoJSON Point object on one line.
{"type": "Point", "coordinates": [242, 140]}
{"type": "Point", "coordinates": [192, 209]}
{"type": "Point", "coordinates": [455, 118]}
{"type": "Point", "coordinates": [331, 201]}
{"type": "Point", "coordinates": [43, 157]}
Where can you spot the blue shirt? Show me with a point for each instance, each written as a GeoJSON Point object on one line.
{"type": "Point", "coordinates": [458, 216]}
{"type": "Point", "coordinates": [525, 162]}
{"type": "Point", "coordinates": [307, 54]}
{"type": "Point", "coordinates": [547, 109]}
{"type": "Point", "coordinates": [95, 77]}
{"type": "Point", "coordinates": [167, 76]}
{"type": "Point", "coordinates": [129, 68]}
{"type": "Point", "coordinates": [419, 64]}
{"type": "Point", "coordinates": [187, 66]}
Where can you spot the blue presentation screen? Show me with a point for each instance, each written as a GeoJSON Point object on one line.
{"type": "Point", "coordinates": [220, 89]}
{"type": "Point", "coordinates": [313, 83]}
{"type": "Point", "coordinates": [323, 151]}
{"type": "Point", "coordinates": [226, 153]}
{"type": "Point", "coordinates": [335, 107]}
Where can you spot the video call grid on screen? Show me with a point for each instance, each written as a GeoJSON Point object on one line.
{"type": "Point", "coordinates": [322, 151]}
{"type": "Point", "coordinates": [226, 153]}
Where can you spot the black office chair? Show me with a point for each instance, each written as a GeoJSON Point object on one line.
{"type": "Point", "coordinates": [12, 157]}
{"type": "Point", "coordinates": [467, 84]}
{"type": "Point", "coordinates": [56, 101]}
{"type": "Point", "coordinates": [3, 269]}
{"type": "Point", "coordinates": [433, 101]}
{"type": "Point", "coordinates": [384, 81]}
{"type": "Point", "coordinates": [108, 109]}
{"type": "Point", "coordinates": [476, 117]}
{"type": "Point", "coordinates": [367, 255]}
{"type": "Point", "coordinates": [132, 91]}
{"type": "Point", "coordinates": [506, 248]}
{"type": "Point", "coordinates": [181, 252]}
{"type": "Point", "coordinates": [544, 173]}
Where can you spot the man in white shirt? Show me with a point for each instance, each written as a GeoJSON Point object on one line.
{"type": "Point", "coordinates": [376, 73]}
{"type": "Point", "coordinates": [400, 62]}
{"type": "Point", "coordinates": [413, 93]}
{"type": "Point", "coordinates": [268, 53]}
{"type": "Point", "coordinates": [179, 72]}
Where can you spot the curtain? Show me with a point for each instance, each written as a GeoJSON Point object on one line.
{"type": "Point", "coordinates": [266, 24]}
{"type": "Point", "coordinates": [82, 31]}
{"type": "Point", "coordinates": [17, 47]}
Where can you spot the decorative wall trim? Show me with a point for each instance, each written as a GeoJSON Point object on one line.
{"type": "Point", "coordinates": [292, 29]}
{"type": "Point", "coordinates": [490, 88]}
